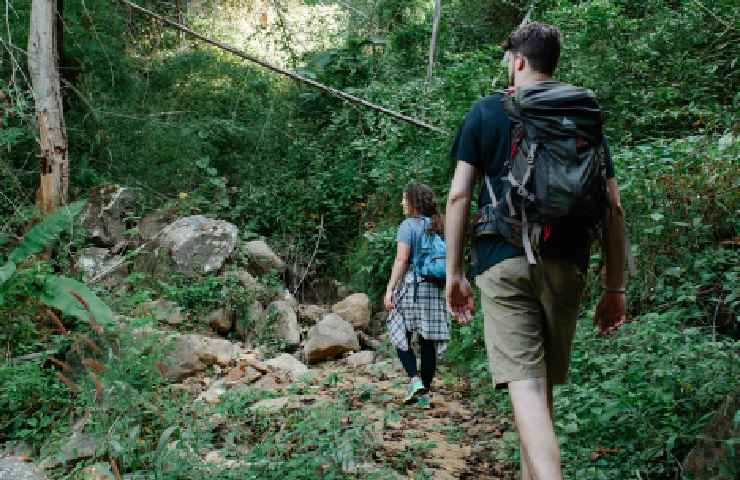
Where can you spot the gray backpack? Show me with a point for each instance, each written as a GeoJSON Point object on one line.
{"type": "Point", "coordinates": [557, 167]}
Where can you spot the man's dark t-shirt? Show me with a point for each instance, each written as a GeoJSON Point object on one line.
{"type": "Point", "coordinates": [483, 141]}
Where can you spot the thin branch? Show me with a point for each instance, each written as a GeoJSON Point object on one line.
{"type": "Point", "coordinates": [313, 256]}
{"type": "Point", "coordinates": [330, 90]}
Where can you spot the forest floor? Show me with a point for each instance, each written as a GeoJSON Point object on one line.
{"type": "Point", "coordinates": [449, 439]}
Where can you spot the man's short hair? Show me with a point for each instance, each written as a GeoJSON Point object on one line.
{"type": "Point", "coordinates": [539, 43]}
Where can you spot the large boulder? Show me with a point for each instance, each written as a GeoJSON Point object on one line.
{"type": "Point", "coordinates": [282, 318]}
{"type": "Point", "coordinates": [192, 353]}
{"type": "Point", "coordinates": [330, 338]}
{"type": "Point", "coordinates": [289, 364]}
{"type": "Point", "coordinates": [198, 244]}
{"type": "Point", "coordinates": [92, 261]}
{"type": "Point", "coordinates": [104, 215]}
{"type": "Point", "coordinates": [14, 468]}
{"type": "Point", "coordinates": [355, 309]}
{"type": "Point", "coordinates": [262, 257]}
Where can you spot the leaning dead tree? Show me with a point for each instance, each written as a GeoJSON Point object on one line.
{"type": "Point", "coordinates": [295, 76]}
{"type": "Point", "coordinates": [43, 65]}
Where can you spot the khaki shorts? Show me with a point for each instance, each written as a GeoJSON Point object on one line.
{"type": "Point", "coordinates": [530, 317]}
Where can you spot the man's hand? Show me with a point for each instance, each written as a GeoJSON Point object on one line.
{"type": "Point", "coordinates": [610, 313]}
{"type": "Point", "coordinates": [460, 299]}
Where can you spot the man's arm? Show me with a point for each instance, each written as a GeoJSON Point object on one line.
{"type": "Point", "coordinates": [460, 300]}
{"type": "Point", "coordinates": [611, 311]}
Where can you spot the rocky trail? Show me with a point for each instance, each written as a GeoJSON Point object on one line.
{"type": "Point", "coordinates": [261, 367]}
{"type": "Point", "coordinates": [447, 440]}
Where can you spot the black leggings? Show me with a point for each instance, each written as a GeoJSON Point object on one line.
{"type": "Point", "coordinates": [428, 359]}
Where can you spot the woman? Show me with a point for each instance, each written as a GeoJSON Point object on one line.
{"type": "Point", "coordinates": [415, 304]}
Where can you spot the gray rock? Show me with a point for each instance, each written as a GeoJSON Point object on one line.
{"type": "Point", "coordinates": [246, 325]}
{"type": "Point", "coordinates": [221, 320]}
{"type": "Point", "coordinates": [359, 359]}
{"type": "Point", "coordinates": [377, 323]}
{"type": "Point", "coordinates": [99, 471]}
{"type": "Point", "coordinates": [198, 244]}
{"type": "Point", "coordinates": [13, 468]}
{"type": "Point", "coordinates": [163, 311]}
{"type": "Point", "coordinates": [247, 280]}
{"type": "Point", "coordinates": [288, 363]}
{"type": "Point", "coordinates": [716, 448]}
{"type": "Point", "coordinates": [79, 445]}
{"type": "Point", "coordinates": [355, 309]}
{"type": "Point", "coordinates": [93, 260]}
{"type": "Point", "coordinates": [311, 314]}
{"type": "Point", "coordinates": [192, 353]}
{"type": "Point", "coordinates": [271, 405]}
{"type": "Point", "coordinates": [103, 216]}
{"type": "Point", "coordinates": [282, 317]}
{"type": "Point", "coordinates": [290, 299]}
{"type": "Point", "coordinates": [154, 222]}
{"type": "Point", "coordinates": [330, 338]}
{"type": "Point", "coordinates": [262, 257]}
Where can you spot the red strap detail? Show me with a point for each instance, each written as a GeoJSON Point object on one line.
{"type": "Point", "coordinates": [546, 232]}
{"type": "Point", "coordinates": [515, 144]}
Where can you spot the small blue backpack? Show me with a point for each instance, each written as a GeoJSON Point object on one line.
{"type": "Point", "coordinates": [431, 263]}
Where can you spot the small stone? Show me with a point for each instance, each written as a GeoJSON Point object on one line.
{"type": "Point", "coordinates": [289, 364]}
{"type": "Point", "coordinates": [221, 320]}
{"type": "Point", "coordinates": [359, 359]}
{"type": "Point", "coordinates": [14, 468]}
{"type": "Point", "coordinates": [163, 311]}
{"type": "Point", "coordinates": [311, 314]}
{"type": "Point", "coordinates": [263, 257]}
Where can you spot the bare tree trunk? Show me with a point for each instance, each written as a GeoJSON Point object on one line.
{"type": "Point", "coordinates": [43, 66]}
{"type": "Point", "coordinates": [433, 43]}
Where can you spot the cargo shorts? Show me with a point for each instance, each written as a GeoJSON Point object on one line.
{"type": "Point", "coordinates": [530, 314]}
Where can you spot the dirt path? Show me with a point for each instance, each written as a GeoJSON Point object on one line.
{"type": "Point", "coordinates": [448, 440]}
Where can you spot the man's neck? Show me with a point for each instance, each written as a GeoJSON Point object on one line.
{"type": "Point", "coordinates": [531, 78]}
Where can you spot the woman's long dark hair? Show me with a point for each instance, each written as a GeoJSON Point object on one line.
{"type": "Point", "coordinates": [420, 198]}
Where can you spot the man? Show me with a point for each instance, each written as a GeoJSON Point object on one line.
{"type": "Point", "coordinates": [529, 311]}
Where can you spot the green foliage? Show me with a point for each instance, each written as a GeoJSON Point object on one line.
{"type": "Point", "coordinates": [74, 298]}
{"type": "Point", "coordinates": [43, 234]}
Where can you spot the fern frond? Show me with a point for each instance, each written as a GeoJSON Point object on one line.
{"type": "Point", "coordinates": [63, 293]}
{"type": "Point", "coordinates": [46, 232]}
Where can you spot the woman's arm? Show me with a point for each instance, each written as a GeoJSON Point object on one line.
{"type": "Point", "coordinates": [403, 252]}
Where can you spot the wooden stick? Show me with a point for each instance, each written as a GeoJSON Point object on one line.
{"type": "Point", "coordinates": [330, 90]}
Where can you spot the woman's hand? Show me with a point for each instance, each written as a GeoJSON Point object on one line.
{"type": "Point", "coordinates": [388, 300]}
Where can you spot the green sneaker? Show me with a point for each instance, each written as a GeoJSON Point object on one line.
{"type": "Point", "coordinates": [424, 401]}
{"type": "Point", "coordinates": [413, 389]}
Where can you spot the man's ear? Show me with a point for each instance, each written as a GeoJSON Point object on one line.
{"type": "Point", "coordinates": [519, 63]}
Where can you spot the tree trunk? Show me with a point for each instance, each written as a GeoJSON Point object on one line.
{"type": "Point", "coordinates": [433, 42]}
{"type": "Point", "coordinates": [43, 66]}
